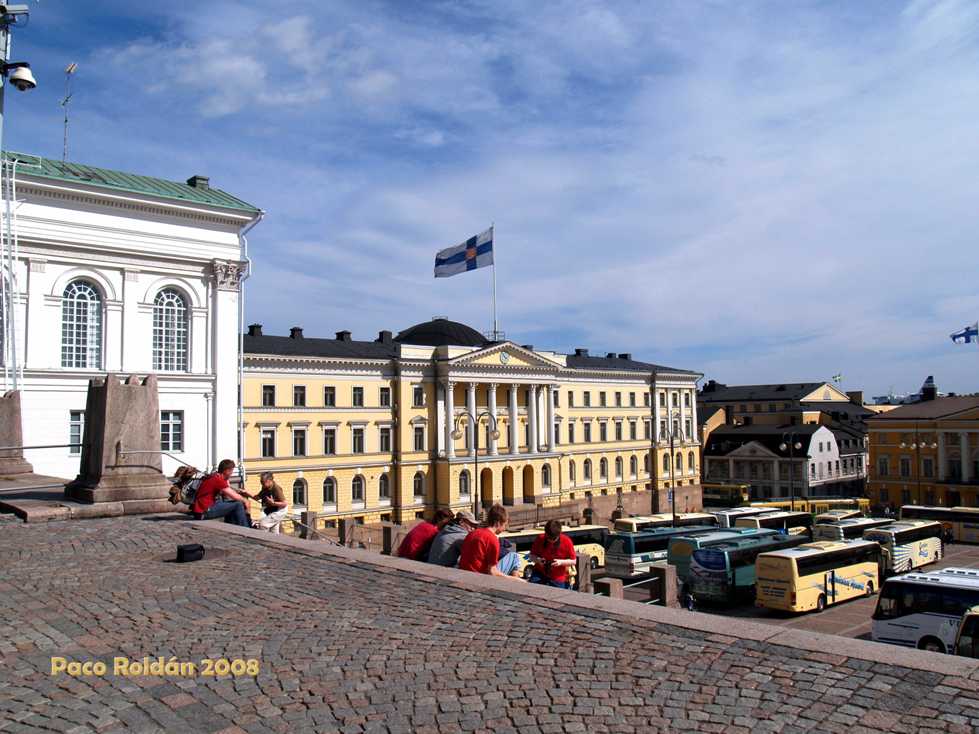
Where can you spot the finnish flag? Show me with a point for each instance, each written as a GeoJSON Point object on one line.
{"type": "Point", "coordinates": [476, 252]}
{"type": "Point", "coordinates": [968, 334]}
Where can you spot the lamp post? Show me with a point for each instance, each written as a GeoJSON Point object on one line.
{"type": "Point", "coordinates": [673, 427]}
{"type": "Point", "coordinates": [916, 446]}
{"type": "Point", "coordinates": [457, 434]}
{"type": "Point", "coordinates": [789, 442]}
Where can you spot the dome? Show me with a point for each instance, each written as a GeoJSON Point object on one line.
{"type": "Point", "coordinates": [440, 332]}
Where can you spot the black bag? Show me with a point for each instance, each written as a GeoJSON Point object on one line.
{"type": "Point", "coordinates": [189, 552]}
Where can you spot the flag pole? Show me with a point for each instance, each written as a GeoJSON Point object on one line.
{"type": "Point", "coordinates": [496, 325]}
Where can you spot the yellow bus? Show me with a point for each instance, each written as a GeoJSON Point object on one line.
{"type": "Point", "coordinates": [725, 495]}
{"type": "Point", "coordinates": [662, 520]}
{"type": "Point", "coordinates": [588, 539]}
{"type": "Point", "coordinates": [793, 523]}
{"type": "Point", "coordinates": [961, 523]}
{"type": "Point", "coordinates": [817, 505]}
{"type": "Point", "coordinates": [814, 575]}
{"type": "Point", "coordinates": [908, 544]}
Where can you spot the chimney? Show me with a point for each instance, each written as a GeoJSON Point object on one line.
{"type": "Point", "coordinates": [528, 347]}
{"type": "Point", "coordinates": [626, 356]}
{"type": "Point", "coordinates": [384, 337]}
{"type": "Point", "coordinates": [254, 330]}
{"type": "Point", "coordinates": [610, 355]}
{"type": "Point", "coordinates": [199, 182]}
{"type": "Point", "coordinates": [579, 352]}
{"type": "Point", "coordinates": [856, 396]}
{"type": "Point", "coordinates": [929, 391]}
{"type": "Point", "coordinates": [343, 336]}
{"type": "Point", "coordinates": [296, 332]}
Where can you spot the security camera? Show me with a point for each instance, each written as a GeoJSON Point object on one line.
{"type": "Point", "coordinates": [22, 78]}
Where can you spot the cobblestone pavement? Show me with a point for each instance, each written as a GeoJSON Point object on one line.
{"type": "Point", "coordinates": [351, 647]}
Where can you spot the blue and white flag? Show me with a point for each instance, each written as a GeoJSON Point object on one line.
{"type": "Point", "coordinates": [968, 334]}
{"type": "Point", "coordinates": [476, 252]}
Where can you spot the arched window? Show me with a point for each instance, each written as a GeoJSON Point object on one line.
{"type": "Point", "coordinates": [633, 467]}
{"type": "Point", "coordinates": [691, 464]}
{"type": "Point", "coordinates": [603, 468]}
{"type": "Point", "coordinates": [329, 491]}
{"type": "Point", "coordinates": [81, 326]}
{"type": "Point", "coordinates": [618, 467]}
{"type": "Point", "coordinates": [679, 461]}
{"type": "Point", "coordinates": [464, 483]}
{"type": "Point", "coordinates": [384, 488]}
{"type": "Point", "coordinates": [418, 485]}
{"type": "Point", "coordinates": [357, 489]}
{"type": "Point", "coordinates": [572, 472]}
{"type": "Point", "coordinates": [299, 493]}
{"type": "Point", "coordinates": [666, 462]}
{"type": "Point", "coordinates": [545, 475]}
{"type": "Point", "coordinates": [169, 331]}
{"type": "Point", "coordinates": [587, 470]}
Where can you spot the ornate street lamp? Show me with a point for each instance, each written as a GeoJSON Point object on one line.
{"type": "Point", "coordinates": [457, 434]}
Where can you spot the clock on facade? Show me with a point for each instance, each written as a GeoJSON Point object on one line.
{"type": "Point", "coordinates": [504, 357]}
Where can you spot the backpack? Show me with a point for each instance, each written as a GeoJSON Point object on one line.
{"type": "Point", "coordinates": [184, 489]}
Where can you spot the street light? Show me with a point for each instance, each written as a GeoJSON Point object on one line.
{"type": "Point", "coordinates": [792, 445]}
{"type": "Point", "coordinates": [673, 427]}
{"type": "Point", "coordinates": [457, 434]}
{"type": "Point", "coordinates": [916, 446]}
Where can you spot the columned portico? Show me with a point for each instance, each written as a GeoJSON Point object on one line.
{"type": "Point", "coordinates": [491, 399]}
{"type": "Point", "coordinates": [532, 418]}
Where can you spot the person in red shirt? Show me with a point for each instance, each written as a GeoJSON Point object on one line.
{"type": "Point", "coordinates": [419, 539]}
{"type": "Point", "coordinates": [215, 498]}
{"type": "Point", "coordinates": [552, 553]}
{"type": "Point", "coordinates": [481, 548]}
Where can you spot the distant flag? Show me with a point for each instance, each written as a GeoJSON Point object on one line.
{"type": "Point", "coordinates": [838, 377]}
{"type": "Point", "coordinates": [968, 334]}
{"type": "Point", "coordinates": [476, 252]}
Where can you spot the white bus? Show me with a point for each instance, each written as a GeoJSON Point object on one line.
{"type": "Point", "coordinates": [831, 516]}
{"type": "Point", "coordinates": [908, 544]}
{"type": "Point", "coordinates": [726, 518]}
{"type": "Point", "coordinates": [849, 529]}
{"type": "Point", "coordinates": [923, 610]}
{"type": "Point", "coordinates": [793, 523]}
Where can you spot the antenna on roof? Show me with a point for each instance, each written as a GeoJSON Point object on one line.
{"type": "Point", "coordinates": [69, 70]}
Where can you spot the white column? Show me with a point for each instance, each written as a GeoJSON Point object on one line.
{"type": "Point", "coordinates": [532, 417]}
{"type": "Point", "coordinates": [225, 350]}
{"type": "Point", "coordinates": [549, 397]}
{"type": "Point", "coordinates": [131, 333]}
{"type": "Point", "coordinates": [656, 418]}
{"type": "Point", "coordinates": [450, 449]}
{"type": "Point", "coordinates": [493, 446]}
{"type": "Point", "coordinates": [964, 441]}
{"type": "Point", "coordinates": [471, 405]}
{"type": "Point", "coordinates": [514, 422]}
{"type": "Point", "coordinates": [683, 418]}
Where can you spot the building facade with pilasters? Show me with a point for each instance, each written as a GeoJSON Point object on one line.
{"type": "Point", "coordinates": [383, 429]}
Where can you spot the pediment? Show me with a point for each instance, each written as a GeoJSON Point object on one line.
{"type": "Point", "coordinates": [752, 450]}
{"type": "Point", "coordinates": [826, 392]}
{"type": "Point", "coordinates": [507, 354]}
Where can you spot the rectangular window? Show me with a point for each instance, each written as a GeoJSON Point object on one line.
{"type": "Point", "coordinates": [771, 407]}
{"type": "Point", "coordinates": [645, 399]}
{"type": "Point", "coordinates": [171, 430]}
{"type": "Point", "coordinates": [358, 397]}
{"type": "Point", "coordinates": [268, 443]}
{"type": "Point", "coordinates": [298, 441]}
{"type": "Point", "coordinates": [557, 433]}
{"type": "Point", "coordinates": [299, 396]}
{"type": "Point", "coordinates": [632, 400]}
{"type": "Point", "coordinates": [385, 440]}
{"type": "Point", "coordinates": [329, 397]}
{"type": "Point", "coordinates": [688, 428]}
{"type": "Point", "coordinates": [603, 432]}
{"type": "Point", "coordinates": [632, 431]}
{"type": "Point", "coordinates": [557, 397]}
{"type": "Point", "coordinates": [618, 400]}
{"type": "Point", "coordinates": [268, 396]}
{"type": "Point", "coordinates": [905, 467]}
{"type": "Point", "coordinates": [662, 399]}
{"type": "Point", "coordinates": [419, 438]}
{"type": "Point", "coordinates": [570, 399]}
{"type": "Point", "coordinates": [76, 427]}
{"type": "Point", "coordinates": [418, 396]}
{"type": "Point", "coordinates": [329, 441]}
{"type": "Point", "coordinates": [587, 432]}
{"type": "Point", "coordinates": [385, 397]}
{"type": "Point", "coordinates": [676, 400]}
{"type": "Point", "coordinates": [358, 440]}
{"type": "Point", "coordinates": [571, 433]}
{"type": "Point", "coordinates": [587, 398]}
{"type": "Point", "coordinates": [601, 398]}
{"type": "Point", "coordinates": [928, 467]}
{"type": "Point", "coordinates": [618, 430]}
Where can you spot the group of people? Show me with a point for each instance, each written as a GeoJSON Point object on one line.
{"type": "Point", "coordinates": [216, 499]}
{"type": "Point", "coordinates": [458, 540]}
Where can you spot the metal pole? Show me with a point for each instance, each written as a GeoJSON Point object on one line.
{"type": "Point", "coordinates": [791, 469]}
{"type": "Point", "coordinates": [476, 498]}
{"type": "Point", "coordinates": [672, 468]}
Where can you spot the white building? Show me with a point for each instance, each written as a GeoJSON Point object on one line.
{"type": "Point", "coordinates": [114, 272]}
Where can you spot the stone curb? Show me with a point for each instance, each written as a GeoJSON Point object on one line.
{"type": "Point", "coordinates": [825, 645]}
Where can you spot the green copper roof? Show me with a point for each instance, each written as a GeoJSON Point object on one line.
{"type": "Point", "coordinates": [33, 165]}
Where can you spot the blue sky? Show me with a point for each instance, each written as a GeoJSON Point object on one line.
{"type": "Point", "coordinates": [758, 191]}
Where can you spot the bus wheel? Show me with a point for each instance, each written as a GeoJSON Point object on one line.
{"type": "Point", "coordinates": [821, 603]}
{"type": "Point", "coordinates": [870, 588]}
{"type": "Point", "coordinates": [932, 644]}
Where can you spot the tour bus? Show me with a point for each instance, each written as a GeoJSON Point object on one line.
{"type": "Point", "coordinates": [726, 518]}
{"type": "Point", "coordinates": [633, 554]}
{"type": "Point", "coordinates": [924, 609]}
{"type": "Point", "coordinates": [725, 571]}
{"type": "Point", "coordinates": [962, 523]}
{"type": "Point", "coordinates": [794, 523]}
{"type": "Point", "coordinates": [588, 539]}
{"type": "Point", "coordinates": [908, 544]}
{"type": "Point", "coordinates": [725, 495]}
{"type": "Point", "coordinates": [967, 639]}
{"type": "Point", "coordinates": [662, 520]}
{"type": "Point", "coordinates": [814, 575]}
{"type": "Point", "coordinates": [818, 505]}
{"type": "Point", "coordinates": [831, 516]}
{"type": "Point", "coordinates": [681, 547]}
{"type": "Point", "coordinates": [848, 529]}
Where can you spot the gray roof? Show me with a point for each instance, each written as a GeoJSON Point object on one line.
{"type": "Point", "coordinates": [314, 347]}
{"type": "Point", "coordinates": [929, 409]}
{"type": "Point", "coordinates": [725, 439]}
{"type": "Point", "coordinates": [715, 392]}
{"type": "Point", "coordinates": [442, 332]}
{"type": "Point", "coordinates": [588, 362]}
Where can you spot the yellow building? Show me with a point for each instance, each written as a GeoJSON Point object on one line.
{"type": "Point", "coordinates": [926, 453]}
{"type": "Point", "coordinates": [380, 429]}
